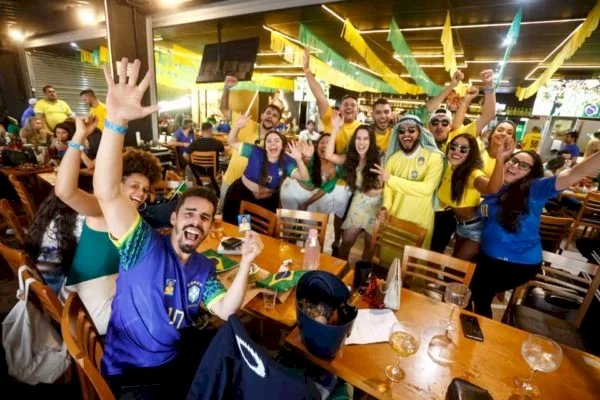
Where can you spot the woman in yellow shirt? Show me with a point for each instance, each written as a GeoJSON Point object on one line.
{"type": "Point", "coordinates": [464, 182]}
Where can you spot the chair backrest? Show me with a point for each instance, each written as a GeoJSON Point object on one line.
{"type": "Point", "coordinates": [11, 219]}
{"type": "Point", "coordinates": [262, 220]}
{"type": "Point", "coordinates": [590, 206]}
{"type": "Point", "coordinates": [553, 230]}
{"type": "Point", "coordinates": [45, 296]}
{"type": "Point", "coordinates": [83, 343]}
{"type": "Point", "coordinates": [172, 176]}
{"type": "Point", "coordinates": [14, 257]}
{"type": "Point", "coordinates": [293, 225]}
{"type": "Point", "coordinates": [206, 159]}
{"type": "Point", "coordinates": [24, 196]}
{"type": "Point", "coordinates": [437, 268]}
{"type": "Point", "coordinates": [390, 237]}
{"type": "Point", "coordinates": [568, 278]}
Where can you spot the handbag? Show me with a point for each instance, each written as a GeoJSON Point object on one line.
{"type": "Point", "coordinates": [35, 352]}
{"type": "Point", "coordinates": [392, 285]}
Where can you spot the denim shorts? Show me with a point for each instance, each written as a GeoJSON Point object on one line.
{"type": "Point", "coordinates": [470, 231]}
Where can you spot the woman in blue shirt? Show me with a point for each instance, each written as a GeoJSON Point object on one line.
{"type": "Point", "coordinates": [511, 248]}
{"type": "Point", "coordinates": [267, 167]}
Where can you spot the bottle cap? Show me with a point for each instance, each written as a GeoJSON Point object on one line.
{"type": "Point", "coordinates": [313, 233]}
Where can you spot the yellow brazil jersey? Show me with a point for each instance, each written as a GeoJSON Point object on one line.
{"type": "Point", "coordinates": [383, 139]}
{"type": "Point", "coordinates": [100, 112]}
{"type": "Point", "coordinates": [471, 196]}
{"type": "Point", "coordinates": [54, 113]}
{"type": "Point", "coordinates": [471, 129]}
{"type": "Point", "coordinates": [237, 163]}
{"type": "Point", "coordinates": [489, 163]}
{"type": "Point", "coordinates": [531, 141]}
{"type": "Point", "coordinates": [344, 135]}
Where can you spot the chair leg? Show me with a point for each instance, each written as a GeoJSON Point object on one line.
{"type": "Point", "coordinates": [571, 235]}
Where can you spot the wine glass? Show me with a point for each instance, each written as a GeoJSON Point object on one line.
{"type": "Point", "coordinates": [541, 354]}
{"type": "Point", "coordinates": [405, 339]}
{"type": "Point", "coordinates": [441, 348]}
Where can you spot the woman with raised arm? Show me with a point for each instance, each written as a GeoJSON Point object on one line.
{"type": "Point", "coordinates": [511, 247]}
{"type": "Point", "coordinates": [96, 261]}
{"type": "Point", "coordinates": [361, 157]}
{"type": "Point", "coordinates": [267, 167]}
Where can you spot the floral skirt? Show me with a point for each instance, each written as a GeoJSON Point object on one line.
{"type": "Point", "coordinates": [363, 212]}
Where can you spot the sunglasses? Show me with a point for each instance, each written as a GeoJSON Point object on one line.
{"type": "Point", "coordinates": [412, 130]}
{"type": "Point", "coordinates": [459, 147]}
{"type": "Point", "coordinates": [436, 122]}
{"type": "Point", "coordinates": [523, 166]}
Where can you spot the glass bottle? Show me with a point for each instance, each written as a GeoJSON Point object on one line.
{"type": "Point", "coordinates": [312, 251]}
{"type": "Point", "coordinates": [346, 310]}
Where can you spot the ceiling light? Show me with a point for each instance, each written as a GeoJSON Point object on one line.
{"type": "Point", "coordinates": [397, 57]}
{"type": "Point", "coordinates": [86, 16]}
{"type": "Point", "coordinates": [16, 34]}
{"type": "Point", "coordinates": [275, 66]}
{"type": "Point", "coordinates": [365, 69]}
{"type": "Point", "coordinates": [330, 11]}
{"type": "Point", "coordinates": [74, 45]}
{"type": "Point", "coordinates": [158, 38]}
{"type": "Point", "coordinates": [434, 55]}
{"type": "Point", "coordinates": [499, 61]}
{"type": "Point", "coordinates": [507, 42]}
{"type": "Point", "coordinates": [172, 3]}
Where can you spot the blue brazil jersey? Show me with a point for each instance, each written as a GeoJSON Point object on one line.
{"type": "Point", "coordinates": [525, 245]}
{"type": "Point", "coordinates": [156, 296]}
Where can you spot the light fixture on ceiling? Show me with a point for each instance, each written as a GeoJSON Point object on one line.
{"type": "Point", "coordinates": [16, 34]}
{"type": "Point", "coordinates": [434, 55]}
{"type": "Point", "coordinates": [86, 16]}
{"type": "Point", "coordinates": [157, 38]}
{"type": "Point", "coordinates": [275, 66]}
{"type": "Point", "coordinates": [365, 68]}
{"type": "Point", "coordinates": [499, 61]}
{"type": "Point", "coordinates": [74, 45]}
{"type": "Point", "coordinates": [330, 11]}
{"type": "Point", "coordinates": [507, 42]}
{"type": "Point", "coordinates": [172, 3]}
{"type": "Point", "coordinates": [397, 57]}
{"type": "Point", "coordinates": [288, 37]}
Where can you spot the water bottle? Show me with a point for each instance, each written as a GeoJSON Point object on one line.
{"type": "Point", "coordinates": [312, 251]}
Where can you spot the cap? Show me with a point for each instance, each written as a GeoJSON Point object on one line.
{"type": "Point", "coordinates": [441, 112]}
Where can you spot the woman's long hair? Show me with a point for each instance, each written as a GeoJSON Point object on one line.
{"type": "Point", "coordinates": [264, 170]}
{"type": "Point", "coordinates": [514, 201]}
{"type": "Point", "coordinates": [316, 177]}
{"type": "Point", "coordinates": [461, 173]}
{"type": "Point", "coordinates": [370, 179]}
{"type": "Point", "coordinates": [64, 217]}
{"type": "Point", "coordinates": [28, 127]}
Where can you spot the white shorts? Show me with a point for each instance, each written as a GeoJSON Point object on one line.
{"type": "Point", "coordinates": [293, 194]}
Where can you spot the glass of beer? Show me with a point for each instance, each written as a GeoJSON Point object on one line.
{"type": "Point", "coordinates": [217, 227]}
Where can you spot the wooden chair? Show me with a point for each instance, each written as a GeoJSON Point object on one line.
{"type": "Point", "coordinates": [172, 176]}
{"type": "Point", "coordinates": [262, 220]}
{"type": "Point", "coordinates": [24, 196]}
{"type": "Point", "coordinates": [568, 287]}
{"type": "Point", "coordinates": [429, 272]}
{"type": "Point", "coordinates": [44, 295]}
{"type": "Point", "coordinates": [390, 237]}
{"type": "Point", "coordinates": [293, 225]}
{"type": "Point", "coordinates": [14, 257]}
{"type": "Point", "coordinates": [588, 216]}
{"type": "Point", "coordinates": [84, 344]}
{"type": "Point", "coordinates": [12, 221]}
{"type": "Point", "coordinates": [553, 230]}
{"type": "Point", "coordinates": [204, 164]}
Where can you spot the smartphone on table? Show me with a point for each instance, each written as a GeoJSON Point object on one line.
{"type": "Point", "coordinates": [470, 327]}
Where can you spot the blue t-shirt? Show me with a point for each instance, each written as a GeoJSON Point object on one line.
{"type": "Point", "coordinates": [523, 246]}
{"type": "Point", "coordinates": [256, 157]}
{"type": "Point", "coordinates": [156, 296]}
{"type": "Point", "coordinates": [180, 137]}
{"type": "Point", "coordinates": [26, 114]}
{"type": "Point", "coordinates": [573, 149]}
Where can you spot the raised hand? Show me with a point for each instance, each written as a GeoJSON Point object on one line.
{"type": "Point", "coordinates": [457, 77]}
{"type": "Point", "coordinates": [251, 247]}
{"type": "Point", "coordinates": [506, 149]}
{"type": "Point", "coordinates": [472, 92]}
{"type": "Point", "coordinates": [308, 149]}
{"type": "Point", "coordinates": [230, 81]}
{"type": "Point", "coordinates": [336, 121]}
{"type": "Point", "coordinates": [487, 77]}
{"type": "Point", "coordinates": [379, 170]}
{"type": "Point", "coordinates": [124, 98]}
{"type": "Point", "coordinates": [85, 126]}
{"type": "Point", "coordinates": [294, 151]}
{"type": "Point", "coordinates": [242, 121]}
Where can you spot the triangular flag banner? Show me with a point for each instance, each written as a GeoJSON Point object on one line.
{"type": "Point", "coordinates": [448, 47]}
{"type": "Point", "coordinates": [583, 32]}
{"type": "Point", "coordinates": [511, 38]}
{"type": "Point", "coordinates": [396, 38]}
{"type": "Point", "coordinates": [354, 38]}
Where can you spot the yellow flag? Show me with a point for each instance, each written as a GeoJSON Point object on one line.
{"type": "Point", "coordinates": [448, 46]}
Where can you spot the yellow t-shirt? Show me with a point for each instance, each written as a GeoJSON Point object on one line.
{"type": "Point", "coordinates": [408, 193]}
{"type": "Point", "coordinates": [471, 129]}
{"type": "Point", "coordinates": [54, 113]}
{"type": "Point", "coordinates": [383, 139]}
{"type": "Point", "coordinates": [100, 112]}
{"type": "Point", "coordinates": [470, 197]}
{"type": "Point", "coordinates": [489, 163]}
{"type": "Point", "coordinates": [344, 135]}
{"type": "Point", "coordinates": [531, 141]}
{"type": "Point", "coordinates": [237, 163]}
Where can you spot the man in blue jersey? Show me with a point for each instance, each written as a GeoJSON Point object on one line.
{"type": "Point", "coordinates": [163, 282]}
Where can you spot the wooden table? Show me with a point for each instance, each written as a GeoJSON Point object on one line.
{"type": "Point", "coordinates": [273, 255]}
{"type": "Point", "coordinates": [50, 176]}
{"type": "Point", "coordinates": [24, 172]}
{"type": "Point", "coordinates": [493, 364]}
{"type": "Point", "coordinates": [577, 195]}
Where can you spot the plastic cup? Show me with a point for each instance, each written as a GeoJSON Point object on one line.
{"type": "Point", "coordinates": [269, 298]}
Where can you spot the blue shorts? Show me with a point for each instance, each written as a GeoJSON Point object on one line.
{"type": "Point", "coordinates": [470, 231]}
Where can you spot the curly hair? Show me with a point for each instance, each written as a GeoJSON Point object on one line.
{"type": "Point", "coordinates": [515, 200]}
{"type": "Point", "coordinates": [142, 162]}
{"type": "Point", "coordinates": [370, 179]}
{"type": "Point", "coordinates": [461, 173]}
{"type": "Point", "coordinates": [264, 169]}
{"type": "Point", "coordinates": [65, 218]}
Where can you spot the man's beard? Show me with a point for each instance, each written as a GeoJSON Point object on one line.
{"type": "Point", "coordinates": [412, 147]}
{"type": "Point", "coordinates": [266, 127]}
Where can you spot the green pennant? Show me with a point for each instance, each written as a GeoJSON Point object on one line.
{"type": "Point", "coordinates": [396, 38]}
{"type": "Point", "coordinates": [511, 38]}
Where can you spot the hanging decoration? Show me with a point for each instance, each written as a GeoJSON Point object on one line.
{"type": "Point", "coordinates": [260, 82]}
{"type": "Point", "coordinates": [396, 38]}
{"type": "Point", "coordinates": [448, 47]}
{"type": "Point", "coordinates": [176, 67]}
{"type": "Point", "coordinates": [353, 37]}
{"type": "Point", "coordinates": [96, 57]}
{"type": "Point", "coordinates": [340, 63]}
{"type": "Point", "coordinates": [510, 41]}
{"type": "Point", "coordinates": [573, 44]}
{"type": "Point", "coordinates": [294, 54]}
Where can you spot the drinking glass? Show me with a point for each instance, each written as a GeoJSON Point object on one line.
{"type": "Point", "coordinates": [270, 298]}
{"type": "Point", "coordinates": [405, 339]}
{"type": "Point", "coordinates": [441, 348]}
{"type": "Point", "coordinates": [541, 354]}
{"type": "Point", "coordinates": [217, 228]}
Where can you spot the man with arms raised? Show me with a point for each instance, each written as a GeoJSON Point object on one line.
{"type": "Point", "coordinates": [162, 281]}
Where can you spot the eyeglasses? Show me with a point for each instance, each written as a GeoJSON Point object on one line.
{"type": "Point", "coordinates": [459, 147]}
{"type": "Point", "coordinates": [412, 130]}
{"type": "Point", "coordinates": [522, 165]}
{"type": "Point", "coordinates": [436, 122]}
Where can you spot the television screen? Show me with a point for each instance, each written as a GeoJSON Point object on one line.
{"type": "Point", "coordinates": [235, 58]}
{"type": "Point", "coordinates": [569, 98]}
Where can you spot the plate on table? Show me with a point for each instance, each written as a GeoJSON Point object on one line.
{"type": "Point", "coordinates": [222, 263]}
